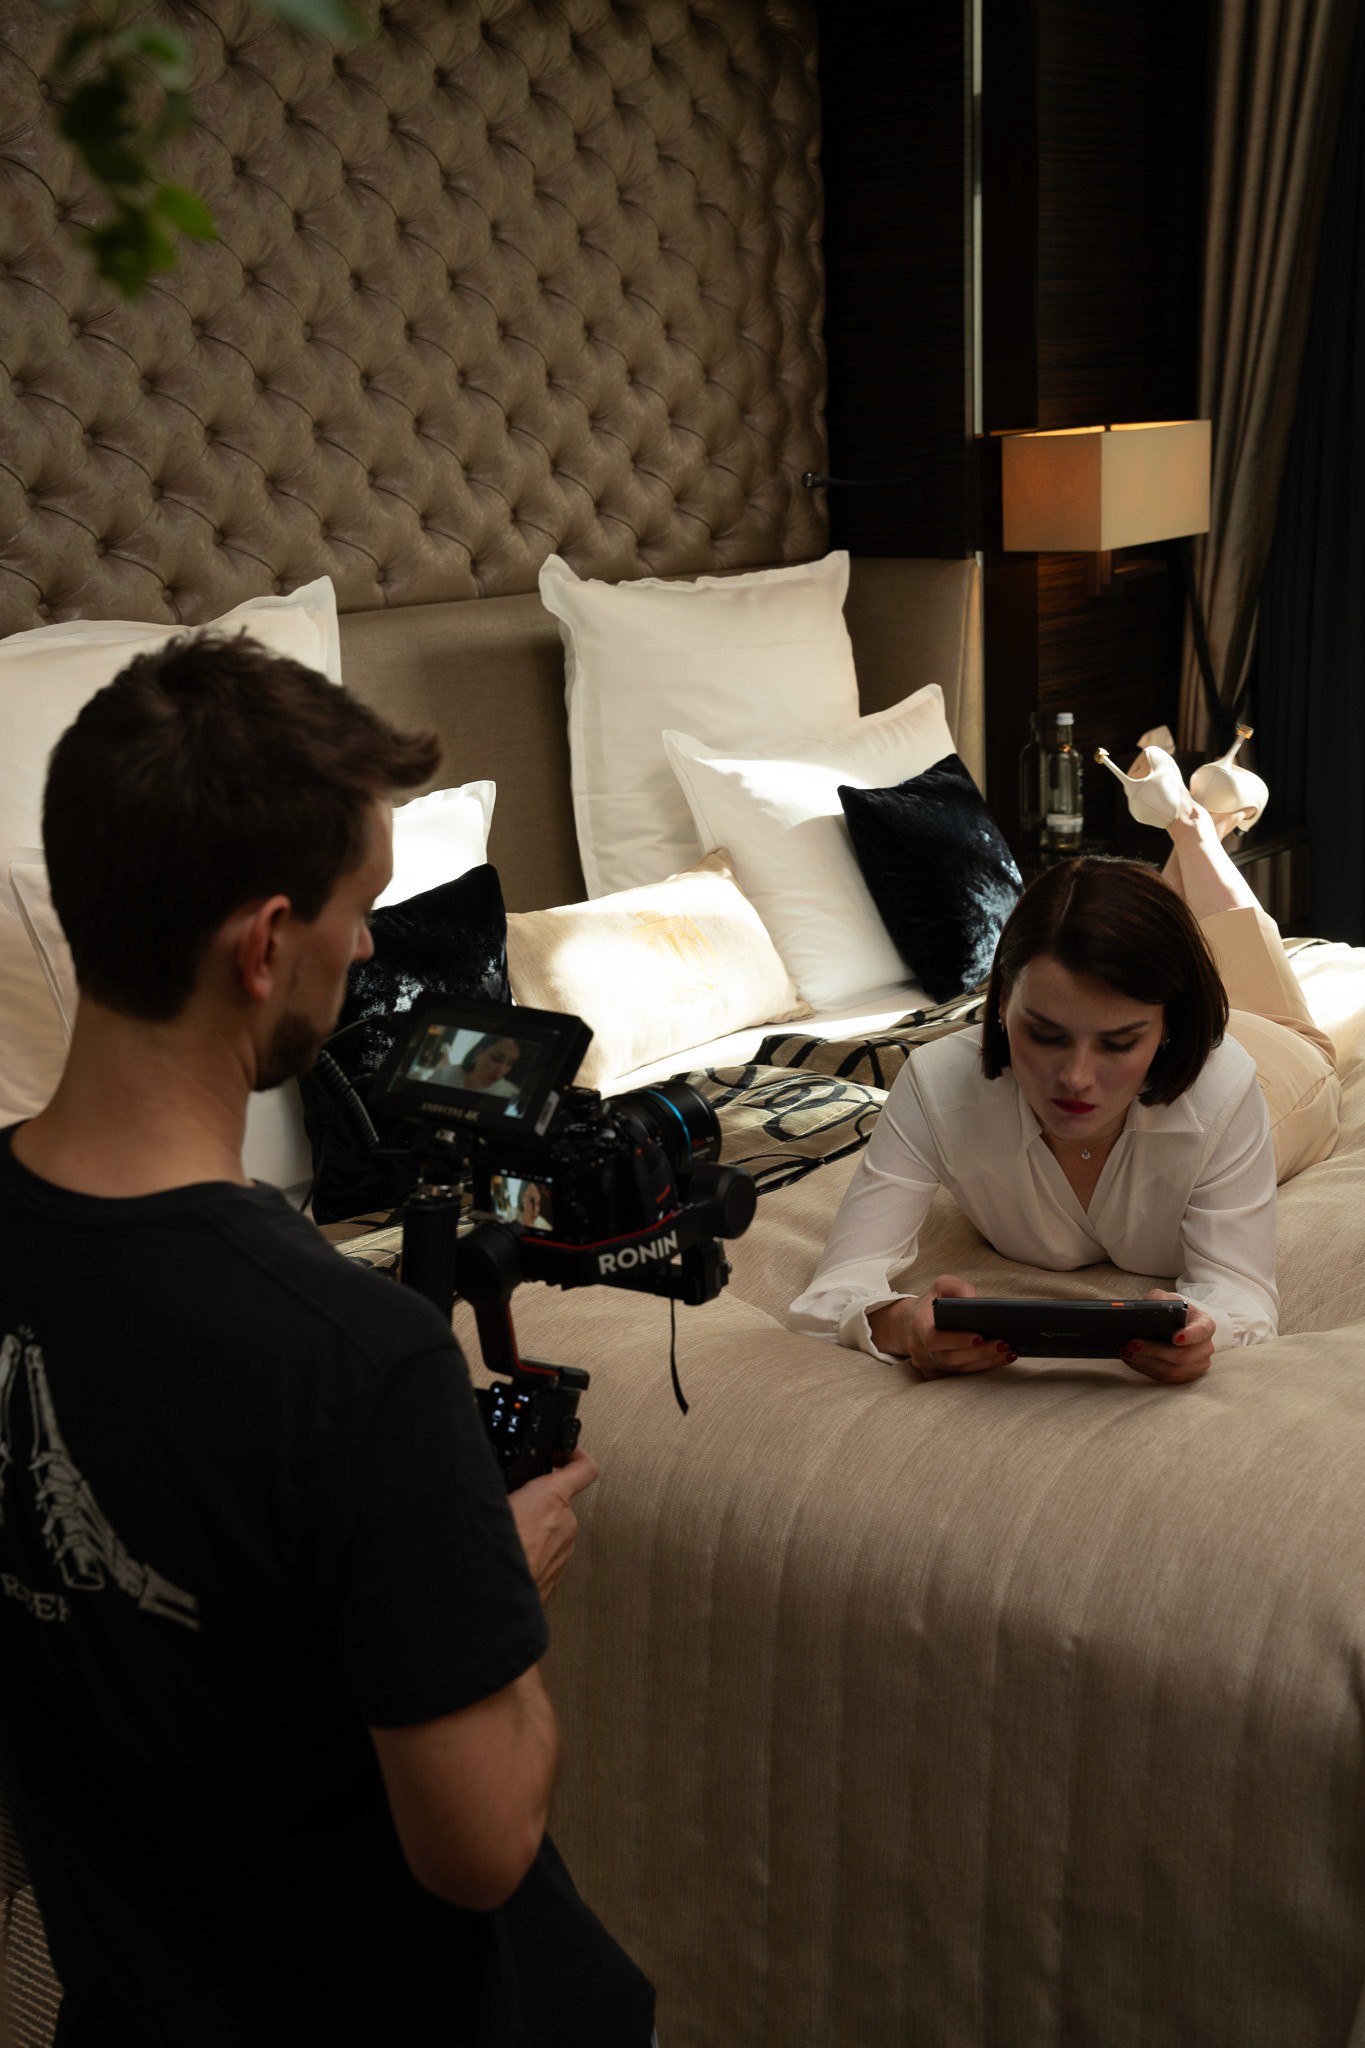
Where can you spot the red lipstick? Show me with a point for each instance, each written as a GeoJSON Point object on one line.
{"type": "Point", "coordinates": [1073, 1108]}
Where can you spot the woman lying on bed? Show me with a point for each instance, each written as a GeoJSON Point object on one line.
{"type": "Point", "coordinates": [1100, 1113]}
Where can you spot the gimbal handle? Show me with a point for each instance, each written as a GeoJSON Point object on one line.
{"type": "Point", "coordinates": [484, 1268]}
{"type": "Point", "coordinates": [488, 1267]}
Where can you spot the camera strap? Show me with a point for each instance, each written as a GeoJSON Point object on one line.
{"type": "Point", "coordinates": [679, 1395]}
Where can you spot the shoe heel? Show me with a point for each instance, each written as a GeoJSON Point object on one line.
{"type": "Point", "coordinates": [1226, 790]}
{"type": "Point", "coordinates": [1154, 798]}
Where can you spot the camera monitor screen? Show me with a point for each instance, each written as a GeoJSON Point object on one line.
{"type": "Point", "coordinates": [514, 1199]}
{"type": "Point", "coordinates": [484, 1063]}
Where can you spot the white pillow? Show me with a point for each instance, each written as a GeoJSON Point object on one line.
{"type": "Point", "coordinates": [46, 676]}
{"type": "Point", "coordinates": [32, 1036]}
{"type": "Point", "coordinates": [438, 837]}
{"type": "Point", "coordinates": [275, 1146]}
{"type": "Point", "coordinates": [28, 890]}
{"type": "Point", "coordinates": [742, 661]}
{"type": "Point", "coordinates": [654, 971]}
{"type": "Point", "coordinates": [779, 815]}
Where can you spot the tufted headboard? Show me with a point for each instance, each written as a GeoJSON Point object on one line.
{"type": "Point", "coordinates": [511, 277]}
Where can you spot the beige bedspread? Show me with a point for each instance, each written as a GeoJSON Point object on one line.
{"type": "Point", "coordinates": [1026, 1708]}
{"type": "Point", "coordinates": [1019, 1711]}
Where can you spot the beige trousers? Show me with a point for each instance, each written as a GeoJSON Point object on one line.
{"type": "Point", "coordinates": [1295, 1062]}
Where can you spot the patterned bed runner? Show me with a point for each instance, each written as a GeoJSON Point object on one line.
{"type": "Point", "coordinates": [804, 1101]}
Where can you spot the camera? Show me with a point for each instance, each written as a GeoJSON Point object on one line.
{"type": "Point", "coordinates": [562, 1185]}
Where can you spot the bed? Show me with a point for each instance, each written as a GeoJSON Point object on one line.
{"type": "Point", "coordinates": [1023, 1710]}
{"type": "Point", "coordinates": [1020, 1709]}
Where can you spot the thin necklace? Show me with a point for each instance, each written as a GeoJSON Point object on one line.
{"type": "Point", "coordinates": [1087, 1151]}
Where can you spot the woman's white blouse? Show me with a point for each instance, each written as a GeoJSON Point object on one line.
{"type": "Point", "coordinates": [1187, 1191]}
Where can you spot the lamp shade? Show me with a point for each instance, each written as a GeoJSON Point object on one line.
{"type": "Point", "coordinates": [1089, 489]}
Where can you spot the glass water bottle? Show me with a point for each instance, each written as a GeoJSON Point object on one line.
{"type": "Point", "coordinates": [1033, 774]}
{"type": "Point", "coordinates": [1063, 813]}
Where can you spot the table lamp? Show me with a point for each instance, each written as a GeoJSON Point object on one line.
{"type": "Point", "coordinates": [1090, 490]}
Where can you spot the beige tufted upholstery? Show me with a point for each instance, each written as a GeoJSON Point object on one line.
{"type": "Point", "coordinates": [513, 276]}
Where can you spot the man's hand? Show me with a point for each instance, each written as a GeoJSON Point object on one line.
{"type": "Point", "coordinates": [907, 1327]}
{"type": "Point", "coordinates": [1172, 1364]}
{"type": "Point", "coordinates": [546, 1522]}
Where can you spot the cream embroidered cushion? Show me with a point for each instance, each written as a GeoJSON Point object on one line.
{"type": "Point", "coordinates": [654, 971]}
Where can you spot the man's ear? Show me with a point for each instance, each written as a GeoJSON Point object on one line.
{"type": "Point", "coordinates": [252, 937]}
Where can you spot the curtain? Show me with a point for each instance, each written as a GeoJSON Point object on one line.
{"type": "Point", "coordinates": [1308, 692]}
{"type": "Point", "coordinates": [1276, 72]}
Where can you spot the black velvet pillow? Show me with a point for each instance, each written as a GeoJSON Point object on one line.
{"type": "Point", "coordinates": [450, 941]}
{"type": "Point", "coordinates": [939, 872]}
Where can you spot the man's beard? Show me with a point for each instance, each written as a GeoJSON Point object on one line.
{"type": "Point", "coordinates": [294, 1045]}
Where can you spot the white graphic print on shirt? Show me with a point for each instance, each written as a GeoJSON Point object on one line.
{"type": "Point", "coordinates": [77, 1534]}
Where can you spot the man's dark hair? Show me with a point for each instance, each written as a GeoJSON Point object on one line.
{"type": "Point", "coordinates": [209, 774]}
{"type": "Point", "coordinates": [1116, 922]}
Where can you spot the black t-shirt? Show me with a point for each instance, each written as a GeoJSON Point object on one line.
{"type": "Point", "coordinates": [248, 1511]}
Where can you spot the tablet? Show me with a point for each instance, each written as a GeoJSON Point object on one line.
{"type": "Point", "coordinates": [1061, 1329]}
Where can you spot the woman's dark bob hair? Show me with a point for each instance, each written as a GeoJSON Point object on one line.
{"type": "Point", "coordinates": [1115, 921]}
{"type": "Point", "coordinates": [490, 1038]}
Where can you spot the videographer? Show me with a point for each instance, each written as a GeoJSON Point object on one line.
{"type": "Point", "coordinates": [273, 1725]}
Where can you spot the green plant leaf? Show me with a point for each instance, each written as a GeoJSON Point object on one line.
{"type": "Point", "coordinates": [163, 50]}
{"type": "Point", "coordinates": [127, 249]}
{"type": "Point", "coordinates": [336, 20]}
{"type": "Point", "coordinates": [186, 211]}
{"type": "Point", "coordinates": [74, 45]}
{"type": "Point", "coordinates": [98, 119]}
{"type": "Point", "coordinates": [175, 116]}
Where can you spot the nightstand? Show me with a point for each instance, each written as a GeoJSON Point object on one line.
{"type": "Point", "coordinates": [1034, 860]}
{"type": "Point", "coordinates": [1277, 866]}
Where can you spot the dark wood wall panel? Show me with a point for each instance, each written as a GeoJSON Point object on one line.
{"type": "Point", "coordinates": [1113, 661]}
{"type": "Point", "coordinates": [1119, 168]}
{"type": "Point", "coordinates": [1108, 232]}
{"type": "Point", "coordinates": [1009, 378]}
{"type": "Point", "coordinates": [1091, 147]}
{"type": "Point", "coordinates": [895, 82]}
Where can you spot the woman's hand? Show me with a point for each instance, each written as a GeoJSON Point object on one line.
{"type": "Point", "coordinates": [906, 1328]}
{"type": "Point", "coordinates": [1191, 1354]}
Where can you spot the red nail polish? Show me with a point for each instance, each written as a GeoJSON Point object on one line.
{"type": "Point", "coordinates": [978, 1340]}
{"type": "Point", "coordinates": [1180, 1336]}
{"type": "Point", "coordinates": [1002, 1347]}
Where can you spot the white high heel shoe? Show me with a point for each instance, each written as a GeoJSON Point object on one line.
{"type": "Point", "coordinates": [1157, 798]}
{"type": "Point", "coordinates": [1223, 789]}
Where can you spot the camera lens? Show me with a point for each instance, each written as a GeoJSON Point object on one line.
{"type": "Point", "coordinates": [675, 1116]}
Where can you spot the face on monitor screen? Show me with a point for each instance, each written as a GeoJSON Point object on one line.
{"type": "Point", "coordinates": [492, 1064]}
{"type": "Point", "coordinates": [482, 1063]}
{"type": "Point", "coordinates": [527, 1202]}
